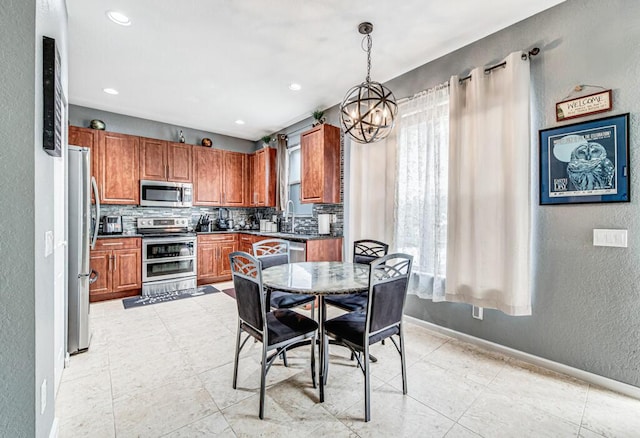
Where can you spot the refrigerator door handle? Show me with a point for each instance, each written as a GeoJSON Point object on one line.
{"type": "Point", "coordinates": [93, 277]}
{"type": "Point", "coordinates": [96, 195]}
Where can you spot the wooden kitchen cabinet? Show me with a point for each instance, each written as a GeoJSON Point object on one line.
{"type": "Point", "coordinates": [118, 262]}
{"type": "Point", "coordinates": [234, 177]}
{"type": "Point", "coordinates": [219, 178]}
{"type": "Point", "coordinates": [263, 178]}
{"type": "Point", "coordinates": [320, 165]}
{"type": "Point", "coordinates": [213, 257]}
{"type": "Point", "coordinates": [324, 250]}
{"type": "Point", "coordinates": [246, 241]}
{"type": "Point", "coordinates": [116, 167]}
{"type": "Point", "coordinates": [207, 176]}
{"type": "Point", "coordinates": [165, 161]}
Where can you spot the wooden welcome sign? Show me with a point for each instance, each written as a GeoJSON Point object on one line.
{"type": "Point", "coordinates": [584, 105]}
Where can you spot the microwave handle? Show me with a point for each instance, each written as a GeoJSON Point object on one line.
{"type": "Point", "coordinates": [96, 195]}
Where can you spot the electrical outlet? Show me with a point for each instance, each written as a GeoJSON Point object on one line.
{"type": "Point", "coordinates": [477, 312]}
{"type": "Point", "coordinates": [616, 238]}
{"type": "Point", "coordinates": [334, 218]}
{"type": "Point", "coordinates": [43, 396]}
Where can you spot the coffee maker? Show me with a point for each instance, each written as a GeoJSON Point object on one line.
{"type": "Point", "coordinates": [223, 219]}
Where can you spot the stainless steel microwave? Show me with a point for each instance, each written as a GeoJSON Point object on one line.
{"type": "Point", "coordinates": [165, 194]}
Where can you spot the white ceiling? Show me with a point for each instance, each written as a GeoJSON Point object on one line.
{"type": "Point", "coordinates": [206, 63]}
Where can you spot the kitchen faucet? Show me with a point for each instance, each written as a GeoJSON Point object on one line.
{"type": "Point", "coordinates": [293, 215]}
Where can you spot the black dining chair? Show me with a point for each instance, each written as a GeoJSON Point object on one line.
{"type": "Point", "coordinates": [278, 329]}
{"type": "Point", "coordinates": [382, 318]}
{"type": "Point", "coordinates": [273, 252]}
{"type": "Point", "coordinates": [364, 252]}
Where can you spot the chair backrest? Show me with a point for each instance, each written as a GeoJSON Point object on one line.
{"type": "Point", "coordinates": [388, 281]}
{"type": "Point", "coordinates": [272, 252]}
{"type": "Point", "coordinates": [366, 251]}
{"type": "Point", "coordinates": [247, 282]}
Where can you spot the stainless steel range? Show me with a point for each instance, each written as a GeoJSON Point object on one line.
{"type": "Point", "coordinates": [168, 255]}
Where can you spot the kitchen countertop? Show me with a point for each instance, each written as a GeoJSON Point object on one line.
{"type": "Point", "coordinates": [116, 236]}
{"type": "Point", "coordinates": [287, 236]}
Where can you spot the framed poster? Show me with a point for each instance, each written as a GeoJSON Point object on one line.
{"type": "Point", "coordinates": [52, 98]}
{"type": "Point", "coordinates": [585, 162]}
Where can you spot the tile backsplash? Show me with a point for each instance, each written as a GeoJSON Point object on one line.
{"type": "Point", "coordinates": [304, 225]}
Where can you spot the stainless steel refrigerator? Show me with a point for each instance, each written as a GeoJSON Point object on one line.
{"type": "Point", "coordinates": [80, 240]}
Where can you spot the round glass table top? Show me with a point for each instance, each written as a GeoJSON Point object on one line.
{"type": "Point", "coordinates": [326, 278]}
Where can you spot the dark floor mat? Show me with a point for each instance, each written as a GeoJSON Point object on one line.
{"type": "Point", "coordinates": [171, 296]}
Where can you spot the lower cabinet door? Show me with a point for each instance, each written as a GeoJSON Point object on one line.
{"type": "Point", "coordinates": [224, 266]}
{"type": "Point", "coordinates": [127, 269]}
{"type": "Point", "coordinates": [207, 262]}
{"type": "Point", "coordinates": [100, 262]}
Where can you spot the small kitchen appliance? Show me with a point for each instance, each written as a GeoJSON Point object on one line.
{"type": "Point", "coordinates": [111, 224]}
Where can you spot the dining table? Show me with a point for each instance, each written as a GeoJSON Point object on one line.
{"type": "Point", "coordinates": [319, 279]}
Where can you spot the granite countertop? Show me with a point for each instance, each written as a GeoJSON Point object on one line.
{"type": "Point", "coordinates": [116, 236]}
{"type": "Point", "coordinates": [326, 278]}
{"type": "Point", "coordinates": [287, 236]}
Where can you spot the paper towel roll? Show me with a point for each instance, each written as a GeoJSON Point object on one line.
{"type": "Point", "coordinates": [323, 223]}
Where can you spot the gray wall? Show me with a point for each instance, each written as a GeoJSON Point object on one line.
{"type": "Point", "coordinates": [17, 273]}
{"type": "Point", "coordinates": [586, 300]}
{"type": "Point", "coordinates": [81, 116]}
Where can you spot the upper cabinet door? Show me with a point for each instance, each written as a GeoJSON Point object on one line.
{"type": "Point", "coordinates": [263, 178]}
{"type": "Point", "coordinates": [179, 160]}
{"type": "Point", "coordinates": [233, 183]}
{"type": "Point", "coordinates": [153, 159]}
{"type": "Point", "coordinates": [207, 172]}
{"type": "Point", "coordinates": [320, 180]}
{"type": "Point", "coordinates": [117, 162]}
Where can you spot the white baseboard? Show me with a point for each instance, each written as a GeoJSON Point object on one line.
{"type": "Point", "coordinates": [53, 433]}
{"type": "Point", "coordinates": [595, 379]}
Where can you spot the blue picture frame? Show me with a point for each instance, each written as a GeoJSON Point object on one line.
{"type": "Point", "coordinates": [585, 162]}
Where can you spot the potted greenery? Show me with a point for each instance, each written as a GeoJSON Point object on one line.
{"type": "Point", "coordinates": [266, 140]}
{"type": "Point", "coordinates": [318, 116]}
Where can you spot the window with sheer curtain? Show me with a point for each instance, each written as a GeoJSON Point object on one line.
{"type": "Point", "coordinates": [421, 189]}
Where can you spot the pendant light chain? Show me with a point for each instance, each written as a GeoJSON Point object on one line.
{"type": "Point", "coordinates": [369, 44]}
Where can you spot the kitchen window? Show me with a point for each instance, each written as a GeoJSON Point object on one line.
{"type": "Point", "coordinates": [294, 181]}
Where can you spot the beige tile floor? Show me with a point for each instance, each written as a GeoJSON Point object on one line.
{"type": "Point", "coordinates": [165, 371]}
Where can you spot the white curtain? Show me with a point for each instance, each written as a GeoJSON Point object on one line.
{"type": "Point", "coordinates": [489, 203]}
{"type": "Point", "coordinates": [421, 189]}
{"type": "Point", "coordinates": [369, 192]}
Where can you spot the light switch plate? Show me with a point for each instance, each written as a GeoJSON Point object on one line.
{"type": "Point", "coordinates": [48, 243]}
{"type": "Point", "coordinates": [605, 237]}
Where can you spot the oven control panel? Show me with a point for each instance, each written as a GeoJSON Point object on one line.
{"type": "Point", "coordinates": [163, 222]}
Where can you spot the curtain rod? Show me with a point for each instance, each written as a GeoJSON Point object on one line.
{"type": "Point", "coordinates": [525, 56]}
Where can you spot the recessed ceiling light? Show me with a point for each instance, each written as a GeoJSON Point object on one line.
{"type": "Point", "coordinates": [118, 18]}
{"type": "Point", "coordinates": [239, 122]}
{"type": "Point", "coordinates": [295, 86]}
{"type": "Point", "coordinates": [112, 91]}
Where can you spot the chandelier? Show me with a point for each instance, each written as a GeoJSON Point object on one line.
{"type": "Point", "coordinates": [368, 110]}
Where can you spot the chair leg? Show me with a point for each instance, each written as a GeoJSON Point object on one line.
{"type": "Point", "coordinates": [367, 385]}
{"type": "Point", "coordinates": [403, 362]}
{"type": "Point", "coordinates": [313, 360]}
{"type": "Point", "coordinates": [283, 355]}
{"type": "Point", "coordinates": [263, 378]}
{"type": "Point", "coordinates": [237, 356]}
